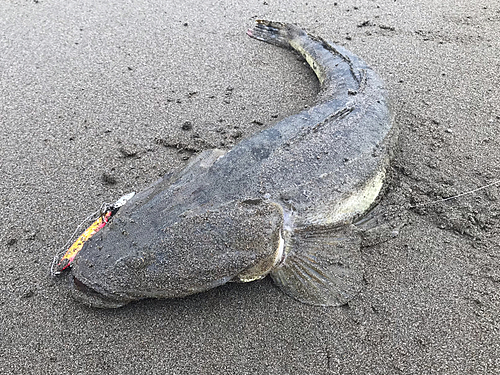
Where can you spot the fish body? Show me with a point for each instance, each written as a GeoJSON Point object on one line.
{"type": "Point", "coordinates": [281, 202]}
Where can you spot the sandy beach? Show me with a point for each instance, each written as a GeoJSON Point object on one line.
{"type": "Point", "coordinates": [100, 98]}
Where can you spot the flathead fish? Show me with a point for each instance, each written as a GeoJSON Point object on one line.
{"type": "Point", "coordinates": [282, 202]}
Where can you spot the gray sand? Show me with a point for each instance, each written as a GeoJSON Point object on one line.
{"type": "Point", "coordinates": [94, 95]}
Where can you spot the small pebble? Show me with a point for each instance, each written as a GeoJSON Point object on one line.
{"type": "Point", "coordinates": [27, 293]}
{"type": "Point", "coordinates": [108, 179]}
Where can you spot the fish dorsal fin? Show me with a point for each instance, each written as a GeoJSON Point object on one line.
{"type": "Point", "coordinates": [202, 162]}
{"type": "Point", "coordinates": [323, 266]}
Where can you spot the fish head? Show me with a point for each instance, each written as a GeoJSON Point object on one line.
{"type": "Point", "coordinates": [140, 256]}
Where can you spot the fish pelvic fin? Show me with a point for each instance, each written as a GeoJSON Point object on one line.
{"type": "Point", "coordinates": [323, 266]}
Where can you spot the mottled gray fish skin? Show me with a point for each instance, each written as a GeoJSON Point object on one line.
{"type": "Point", "coordinates": [281, 202]}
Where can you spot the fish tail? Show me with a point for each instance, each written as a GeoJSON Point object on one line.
{"type": "Point", "coordinates": [287, 35]}
{"type": "Point", "coordinates": [272, 32]}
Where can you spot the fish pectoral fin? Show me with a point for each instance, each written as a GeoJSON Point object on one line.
{"type": "Point", "coordinates": [322, 267]}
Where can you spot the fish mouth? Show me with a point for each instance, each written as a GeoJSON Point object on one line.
{"type": "Point", "coordinates": [89, 296]}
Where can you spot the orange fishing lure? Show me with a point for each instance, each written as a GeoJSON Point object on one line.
{"type": "Point", "coordinates": [84, 237]}
{"type": "Point", "coordinates": [96, 226]}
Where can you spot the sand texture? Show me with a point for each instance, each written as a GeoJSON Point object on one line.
{"type": "Point", "coordinates": [100, 98]}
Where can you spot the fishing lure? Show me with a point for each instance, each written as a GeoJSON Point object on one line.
{"type": "Point", "coordinates": [106, 214]}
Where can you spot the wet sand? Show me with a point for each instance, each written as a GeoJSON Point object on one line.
{"type": "Point", "coordinates": [102, 98]}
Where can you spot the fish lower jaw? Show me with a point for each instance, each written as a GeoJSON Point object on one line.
{"type": "Point", "coordinates": [90, 297]}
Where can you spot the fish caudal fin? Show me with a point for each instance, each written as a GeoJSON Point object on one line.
{"type": "Point", "coordinates": [323, 266]}
{"type": "Point", "coordinates": [276, 33]}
